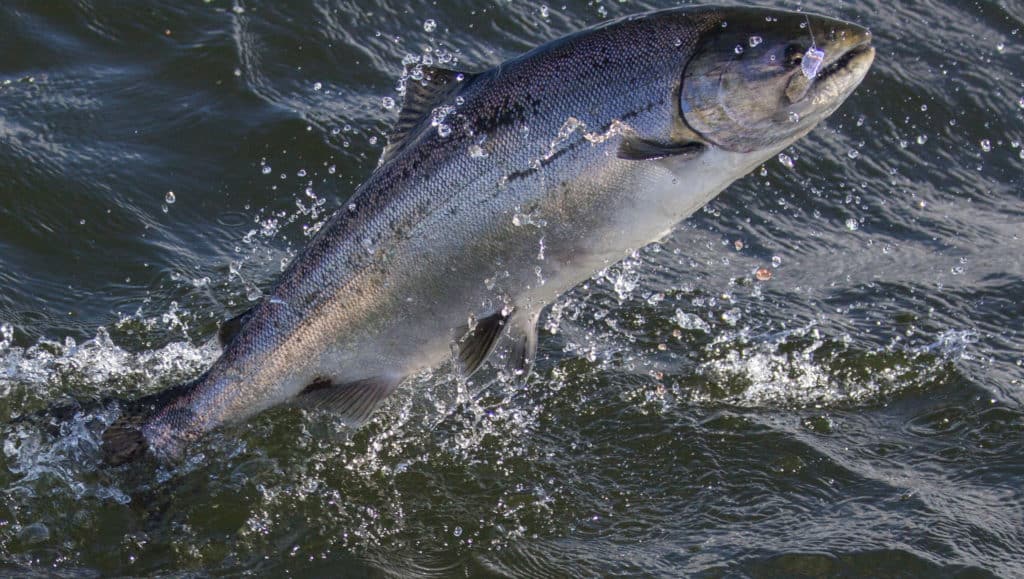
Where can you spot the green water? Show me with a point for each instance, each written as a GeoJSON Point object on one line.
{"type": "Point", "coordinates": [859, 414]}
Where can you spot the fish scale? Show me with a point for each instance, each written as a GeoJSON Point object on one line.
{"type": "Point", "coordinates": [550, 167]}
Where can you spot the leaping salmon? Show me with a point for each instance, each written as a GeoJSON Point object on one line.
{"type": "Point", "coordinates": [499, 191]}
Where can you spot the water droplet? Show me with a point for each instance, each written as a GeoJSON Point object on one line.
{"type": "Point", "coordinates": [776, 261]}
{"type": "Point", "coordinates": [755, 40]}
{"type": "Point", "coordinates": [6, 334]}
{"type": "Point", "coordinates": [238, 9]}
{"type": "Point", "coordinates": [1020, 102]}
{"type": "Point", "coordinates": [169, 198]}
{"type": "Point", "coordinates": [477, 152]}
{"type": "Point", "coordinates": [853, 153]}
{"type": "Point", "coordinates": [457, 532]}
{"type": "Point", "coordinates": [545, 12]}
{"type": "Point", "coordinates": [811, 62]}
{"type": "Point", "coordinates": [732, 316]}
{"type": "Point", "coordinates": [388, 103]}
{"type": "Point", "coordinates": [1001, 47]}
{"type": "Point", "coordinates": [786, 160]}
{"type": "Point", "coordinates": [688, 321]}
{"type": "Point", "coordinates": [301, 173]}
{"type": "Point", "coordinates": [794, 117]}
{"type": "Point", "coordinates": [986, 145]}
{"type": "Point", "coordinates": [763, 274]}
{"type": "Point", "coordinates": [444, 130]}
{"type": "Point", "coordinates": [922, 139]}
{"type": "Point", "coordinates": [429, 25]}
{"type": "Point", "coordinates": [317, 86]}
{"type": "Point", "coordinates": [266, 169]}
{"type": "Point", "coordinates": [351, 207]}
{"type": "Point", "coordinates": [738, 49]}
{"type": "Point", "coordinates": [852, 224]}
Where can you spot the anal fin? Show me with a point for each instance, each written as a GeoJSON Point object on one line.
{"type": "Point", "coordinates": [354, 401]}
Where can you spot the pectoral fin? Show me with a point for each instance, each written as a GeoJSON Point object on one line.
{"type": "Point", "coordinates": [354, 402]}
{"type": "Point", "coordinates": [636, 149]}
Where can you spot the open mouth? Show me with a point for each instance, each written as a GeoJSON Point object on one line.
{"type": "Point", "coordinates": [844, 62]}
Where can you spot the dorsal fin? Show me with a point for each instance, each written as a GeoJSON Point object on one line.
{"type": "Point", "coordinates": [422, 95]}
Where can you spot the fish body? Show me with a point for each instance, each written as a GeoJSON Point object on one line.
{"type": "Point", "coordinates": [500, 191]}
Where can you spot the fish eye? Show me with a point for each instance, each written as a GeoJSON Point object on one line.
{"type": "Point", "coordinates": [793, 55]}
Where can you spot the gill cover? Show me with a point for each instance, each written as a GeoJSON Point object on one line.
{"type": "Point", "coordinates": [745, 90]}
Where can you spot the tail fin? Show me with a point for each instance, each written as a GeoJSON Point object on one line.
{"type": "Point", "coordinates": [123, 441]}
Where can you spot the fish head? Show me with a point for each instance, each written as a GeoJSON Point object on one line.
{"type": "Point", "coordinates": [759, 80]}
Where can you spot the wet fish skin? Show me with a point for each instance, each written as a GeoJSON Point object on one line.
{"type": "Point", "coordinates": [502, 190]}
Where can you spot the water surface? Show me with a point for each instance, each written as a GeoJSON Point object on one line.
{"type": "Point", "coordinates": [859, 413]}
